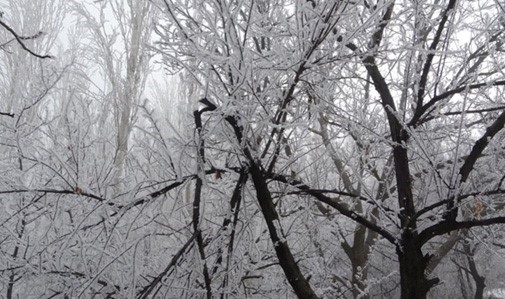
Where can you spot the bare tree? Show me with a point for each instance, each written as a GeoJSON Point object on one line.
{"type": "Point", "coordinates": [266, 68]}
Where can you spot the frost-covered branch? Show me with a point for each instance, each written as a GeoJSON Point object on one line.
{"type": "Point", "coordinates": [418, 115]}
{"type": "Point", "coordinates": [445, 227]}
{"type": "Point", "coordinates": [20, 39]}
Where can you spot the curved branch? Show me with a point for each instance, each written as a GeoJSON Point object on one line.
{"type": "Point", "coordinates": [465, 170]}
{"type": "Point", "coordinates": [19, 39]}
{"type": "Point", "coordinates": [480, 146]}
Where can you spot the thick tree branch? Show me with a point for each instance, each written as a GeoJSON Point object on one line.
{"type": "Point", "coordinates": [445, 227]}
{"type": "Point", "coordinates": [399, 136]}
{"type": "Point", "coordinates": [379, 33]}
{"type": "Point", "coordinates": [287, 261]}
{"type": "Point", "coordinates": [480, 145]}
{"type": "Point", "coordinates": [438, 204]}
{"type": "Point", "coordinates": [7, 114]}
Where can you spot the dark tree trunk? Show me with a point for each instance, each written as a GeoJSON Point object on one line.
{"type": "Point", "coordinates": [358, 254]}
{"type": "Point", "coordinates": [480, 285]}
{"type": "Point", "coordinates": [358, 281]}
{"type": "Point", "coordinates": [413, 281]}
